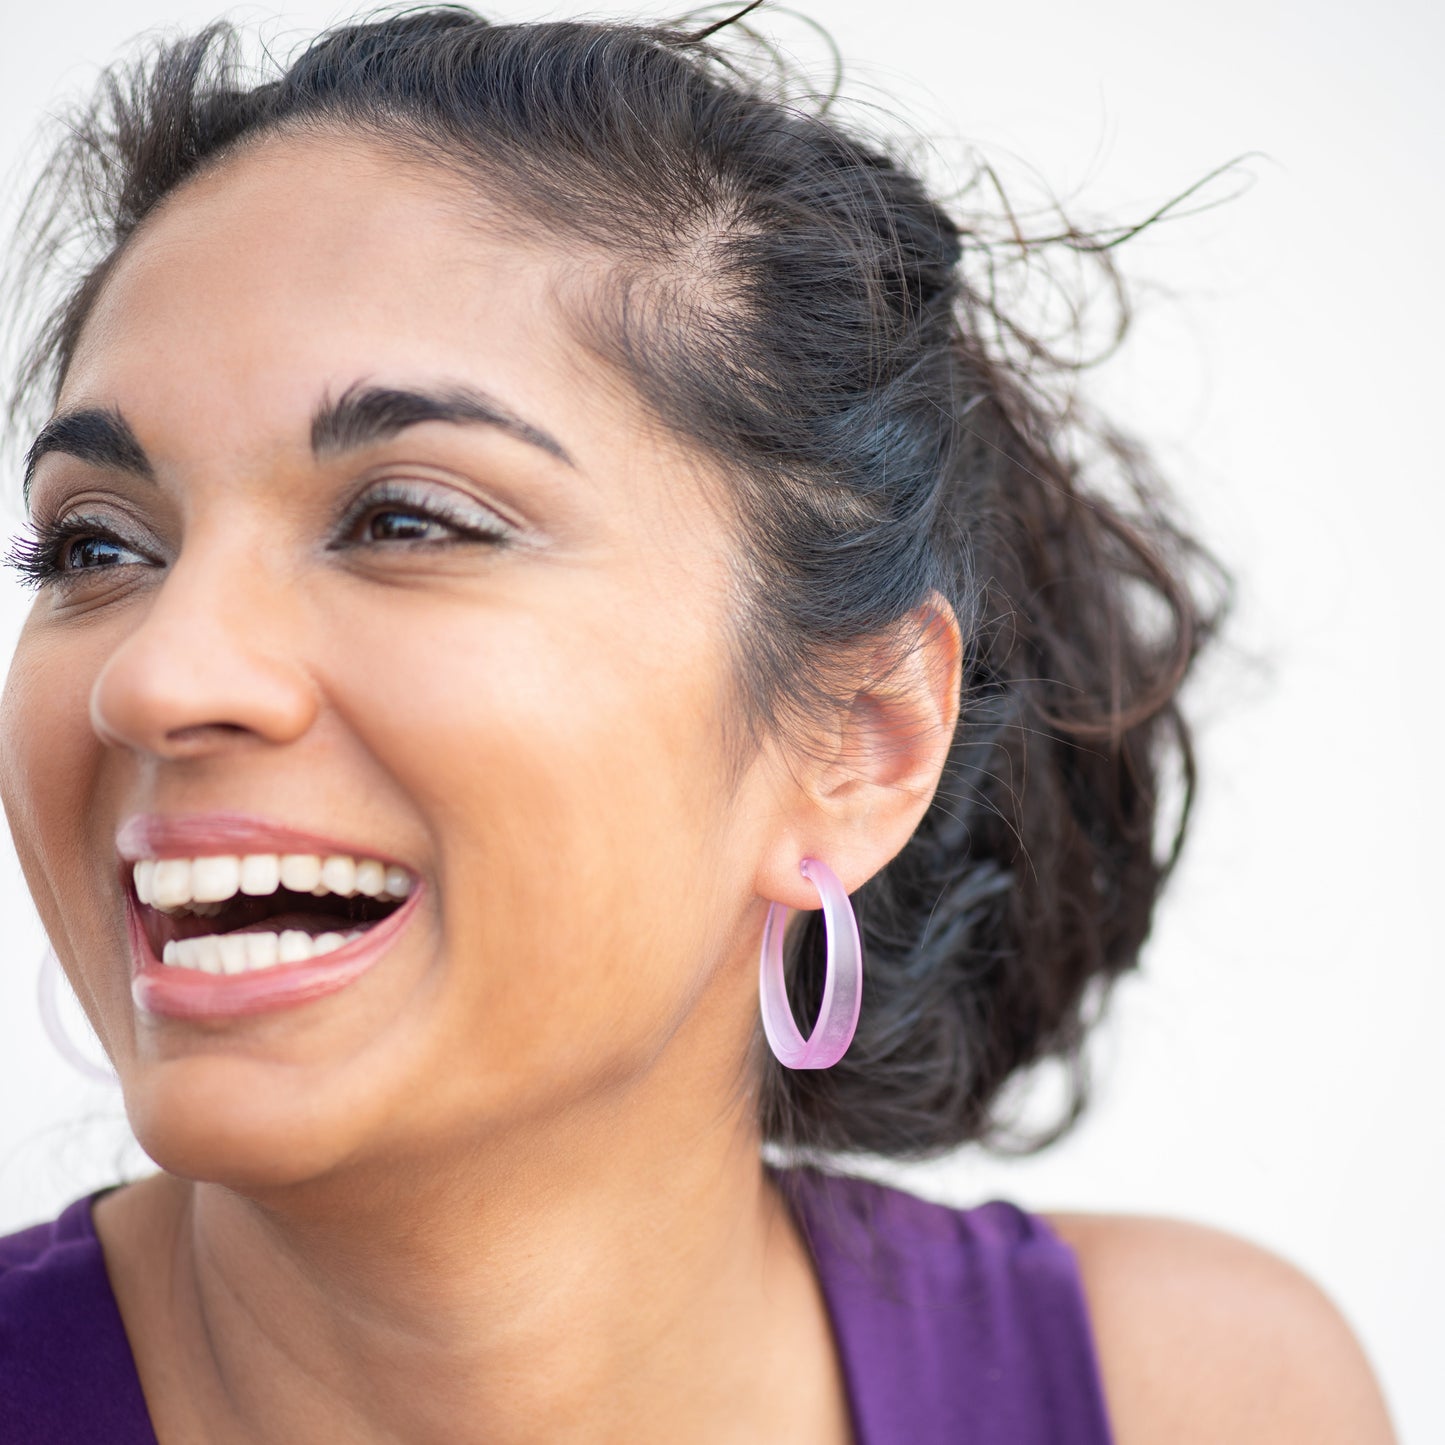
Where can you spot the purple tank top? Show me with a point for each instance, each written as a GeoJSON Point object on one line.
{"type": "Point", "coordinates": [952, 1325]}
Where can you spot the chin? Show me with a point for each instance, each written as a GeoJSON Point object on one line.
{"type": "Point", "coordinates": [197, 1120]}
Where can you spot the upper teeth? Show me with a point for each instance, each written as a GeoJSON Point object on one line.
{"type": "Point", "coordinates": [175, 883]}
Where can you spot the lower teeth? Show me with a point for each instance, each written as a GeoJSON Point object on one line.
{"type": "Point", "coordinates": [246, 952]}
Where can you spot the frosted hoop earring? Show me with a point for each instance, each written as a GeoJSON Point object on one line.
{"type": "Point", "coordinates": [48, 990]}
{"type": "Point", "coordinates": [842, 985]}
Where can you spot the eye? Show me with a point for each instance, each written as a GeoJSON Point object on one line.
{"type": "Point", "coordinates": [82, 553]}
{"type": "Point", "coordinates": [401, 524]}
{"type": "Point", "coordinates": [410, 514]}
{"type": "Point", "coordinates": [61, 551]}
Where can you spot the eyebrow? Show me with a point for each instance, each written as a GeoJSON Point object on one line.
{"type": "Point", "coordinates": [366, 414]}
{"type": "Point", "coordinates": [361, 416]}
{"type": "Point", "coordinates": [94, 434]}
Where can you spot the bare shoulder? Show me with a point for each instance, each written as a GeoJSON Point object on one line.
{"type": "Point", "coordinates": [1202, 1337]}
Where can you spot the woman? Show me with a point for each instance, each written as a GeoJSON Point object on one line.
{"type": "Point", "coordinates": [520, 514]}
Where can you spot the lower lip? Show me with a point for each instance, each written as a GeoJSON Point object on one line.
{"type": "Point", "coordinates": [188, 993]}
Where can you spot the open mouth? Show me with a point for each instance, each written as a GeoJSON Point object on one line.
{"type": "Point", "coordinates": [241, 914]}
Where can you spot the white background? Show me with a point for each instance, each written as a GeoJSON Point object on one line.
{"type": "Point", "coordinates": [1278, 1068]}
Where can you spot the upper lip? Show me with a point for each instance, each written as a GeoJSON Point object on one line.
{"type": "Point", "coordinates": [190, 835]}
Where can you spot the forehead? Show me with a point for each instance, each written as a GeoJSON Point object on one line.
{"type": "Point", "coordinates": [305, 262]}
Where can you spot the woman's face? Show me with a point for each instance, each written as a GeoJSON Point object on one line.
{"type": "Point", "coordinates": [294, 621]}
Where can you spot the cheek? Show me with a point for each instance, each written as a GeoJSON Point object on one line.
{"type": "Point", "coordinates": [55, 788]}
{"type": "Point", "coordinates": [569, 777]}
{"type": "Point", "coordinates": [48, 759]}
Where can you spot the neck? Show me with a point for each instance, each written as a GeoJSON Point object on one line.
{"type": "Point", "coordinates": [586, 1282]}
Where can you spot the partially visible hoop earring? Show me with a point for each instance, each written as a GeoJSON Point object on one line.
{"type": "Point", "coordinates": [49, 993]}
{"type": "Point", "coordinates": [842, 983]}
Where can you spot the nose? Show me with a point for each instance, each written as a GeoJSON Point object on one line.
{"type": "Point", "coordinates": [213, 662]}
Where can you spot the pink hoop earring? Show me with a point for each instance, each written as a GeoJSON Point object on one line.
{"type": "Point", "coordinates": [842, 985]}
{"type": "Point", "coordinates": [49, 994]}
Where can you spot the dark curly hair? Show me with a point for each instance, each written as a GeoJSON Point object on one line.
{"type": "Point", "coordinates": [785, 293]}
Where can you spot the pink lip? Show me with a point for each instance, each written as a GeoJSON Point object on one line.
{"type": "Point", "coordinates": [156, 835]}
{"type": "Point", "coordinates": [184, 993]}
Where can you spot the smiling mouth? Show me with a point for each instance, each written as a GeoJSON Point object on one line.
{"type": "Point", "coordinates": [234, 914]}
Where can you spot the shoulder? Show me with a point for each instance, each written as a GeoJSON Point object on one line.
{"type": "Point", "coordinates": [50, 1274]}
{"type": "Point", "coordinates": [1202, 1336]}
{"type": "Point", "coordinates": [66, 1371]}
{"type": "Point", "coordinates": [59, 1247]}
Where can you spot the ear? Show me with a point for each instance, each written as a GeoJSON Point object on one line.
{"type": "Point", "coordinates": [860, 786]}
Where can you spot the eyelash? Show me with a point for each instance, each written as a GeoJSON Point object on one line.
{"type": "Point", "coordinates": [38, 556]}
{"type": "Point", "coordinates": [398, 497]}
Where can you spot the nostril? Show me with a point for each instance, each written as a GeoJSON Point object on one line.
{"type": "Point", "coordinates": [199, 738]}
{"type": "Point", "coordinates": [204, 732]}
